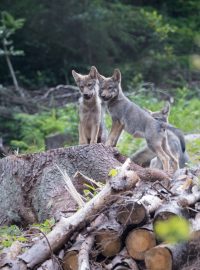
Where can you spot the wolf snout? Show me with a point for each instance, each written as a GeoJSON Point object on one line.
{"type": "Point", "coordinates": [105, 97]}
{"type": "Point", "coordinates": [87, 96]}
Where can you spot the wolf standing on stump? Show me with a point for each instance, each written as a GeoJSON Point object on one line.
{"type": "Point", "coordinates": [91, 113]}
{"type": "Point", "coordinates": [133, 119]}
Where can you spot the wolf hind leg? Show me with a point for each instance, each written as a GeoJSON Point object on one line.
{"type": "Point", "coordinates": [160, 153]}
{"type": "Point", "coordinates": [173, 157]}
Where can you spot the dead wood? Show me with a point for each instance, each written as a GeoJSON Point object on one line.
{"type": "Point", "coordinates": [32, 188]}
{"type": "Point", "coordinates": [70, 260]}
{"type": "Point", "coordinates": [37, 100]}
{"type": "Point", "coordinates": [63, 230]}
{"type": "Point", "coordinates": [139, 241]}
{"type": "Point", "coordinates": [166, 257]}
{"type": "Point", "coordinates": [145, 174]}
{"type": "Point", "coordinates": [168, 210]}
{"type": "Point", "coordinates": [122, 262]}
{"type": "Point", "coordinates": [50, 265]}
{"type": "Point", "coordinates": [108, 239]}
{"type": "Point", "coordinates": [129, 212]}
{"type": "Point", "coordinates": [151, 202]}
{"type": "Point", "coordinates": [83, 258]}
{"type": "Point", "coordinates": [189, 199]}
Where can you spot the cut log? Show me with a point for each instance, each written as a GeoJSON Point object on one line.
{"type": "Point", "coordinates": [167, 211]}
{"type": "Point", "coordinates": [122, 262]}
{"type": "Point", "coordinates": [108, 236]}
{"type": "Point", "coordinates": [139, 241]}
{"type": "Point", "coordinates": [151, 202]}
{"type": "Point", "coordinates": [58, 140]}
{"type": "Point", "coordinates": [130, 213]}
{"type": "Point", "coordinates": [108, 243]}
{"type": "Point", "coordinates": [32, 188]}
{"type": "Point", "coordinates": [166, 257]}
{"type": "Point", "coordinates": [70, 260]}
{"type": "Point", "coordinates": [63, 230]}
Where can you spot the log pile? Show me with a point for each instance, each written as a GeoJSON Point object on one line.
{"type": "Point", "coordinates": [36, 100]}
{"type": "Point", "coordinates": [116, 228]}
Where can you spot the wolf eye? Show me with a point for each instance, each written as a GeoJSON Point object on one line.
{"type": "Point", "coordinates": [89, 84]}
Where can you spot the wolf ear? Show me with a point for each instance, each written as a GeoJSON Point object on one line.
{"type": "Point", "coordinates": [93, 72]}
{"type": "Point", "coordinates": [76, 76]}
{"type": "Point", "coordinates": [166, 109]}
{"type": "Point", "coordinates": [100, 77]}
{"type": "Point", "coordinates": [117, 75]}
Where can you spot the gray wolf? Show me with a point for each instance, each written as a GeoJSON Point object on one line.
{"type": "Point", "coordinates": [128, 116]}
{"type": "Point", "coordinates": [175, 137]}
{"type": "Point", "coordinates": [91, 112]}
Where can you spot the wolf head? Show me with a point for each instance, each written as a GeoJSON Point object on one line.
{"type": "Point", "coordinates": [163, 114]}
{"type": "Point", "coordinates": [88, 84]}
{"type": "Point", "coordinates": [110, 87]}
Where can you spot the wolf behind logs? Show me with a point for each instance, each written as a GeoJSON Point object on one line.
{"type": "Point", "coordinates": [136, 121]}
{"type": "Point", "coordinates": [91, 111]}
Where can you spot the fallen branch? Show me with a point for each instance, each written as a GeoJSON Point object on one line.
{"type": "Point", "coordinates": [83, 257]}
{"type": "Point", "coordinates": [63, 230]}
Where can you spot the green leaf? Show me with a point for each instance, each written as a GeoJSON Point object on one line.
{"type": "Point", "coordinates": [174, 230]}
{"type": "Point", "coordinates": [113, 172]}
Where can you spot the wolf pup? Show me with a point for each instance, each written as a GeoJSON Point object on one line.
{"type": "Point", "coordinates": [133, 119]}
{"type": "Point", "coordinates": [175, 138]}
{"type": "Point", "coordinates": [91, 113]}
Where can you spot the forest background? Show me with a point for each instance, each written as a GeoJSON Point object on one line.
{"type": "Point", "coordinates": [156, 45]}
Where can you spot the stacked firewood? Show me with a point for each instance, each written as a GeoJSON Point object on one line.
{"type": "Point", "coordinates": [125, 237]}
{"type": "Point", "coordinates": [116, 228]}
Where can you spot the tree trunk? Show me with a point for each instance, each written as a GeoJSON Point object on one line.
{"type": "Point", "coordinates": [12, 72]}
{"type": "Point", "coordinates": [32, 187]}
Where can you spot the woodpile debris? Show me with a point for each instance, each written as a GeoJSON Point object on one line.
{"type": "Point", "coordinates": [117, 229]}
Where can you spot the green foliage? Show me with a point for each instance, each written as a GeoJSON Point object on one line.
{"type": "Point", "coordinates": [46, 226]}
{"type": "Point", "coordinates": [10, 234]}
{"type": "Point", "coordinates": [174, 230]}
{"type": "Point", "coordinates": [156, 39]}
{"type": "Point", "coordinates": [34, 128]}
{"type": "Point", "coordinates": [193, 149]}
{"type": "Point", "coordinates": [9, 25]}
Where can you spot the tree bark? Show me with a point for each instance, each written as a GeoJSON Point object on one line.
{"type": "Point", "coordinates": [166, 257]}
{"type": "Point", "coordinates": [32, 188]}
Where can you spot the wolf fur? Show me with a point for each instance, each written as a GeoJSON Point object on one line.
{"type": "Point", "coordinates": [176, 142]}
{"type": "Point", "coordinates": [175, 138]}
{"type": "Point", "coordinates": [128, 116]}
{"type": "Point", "coordinates": [91, 112]}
